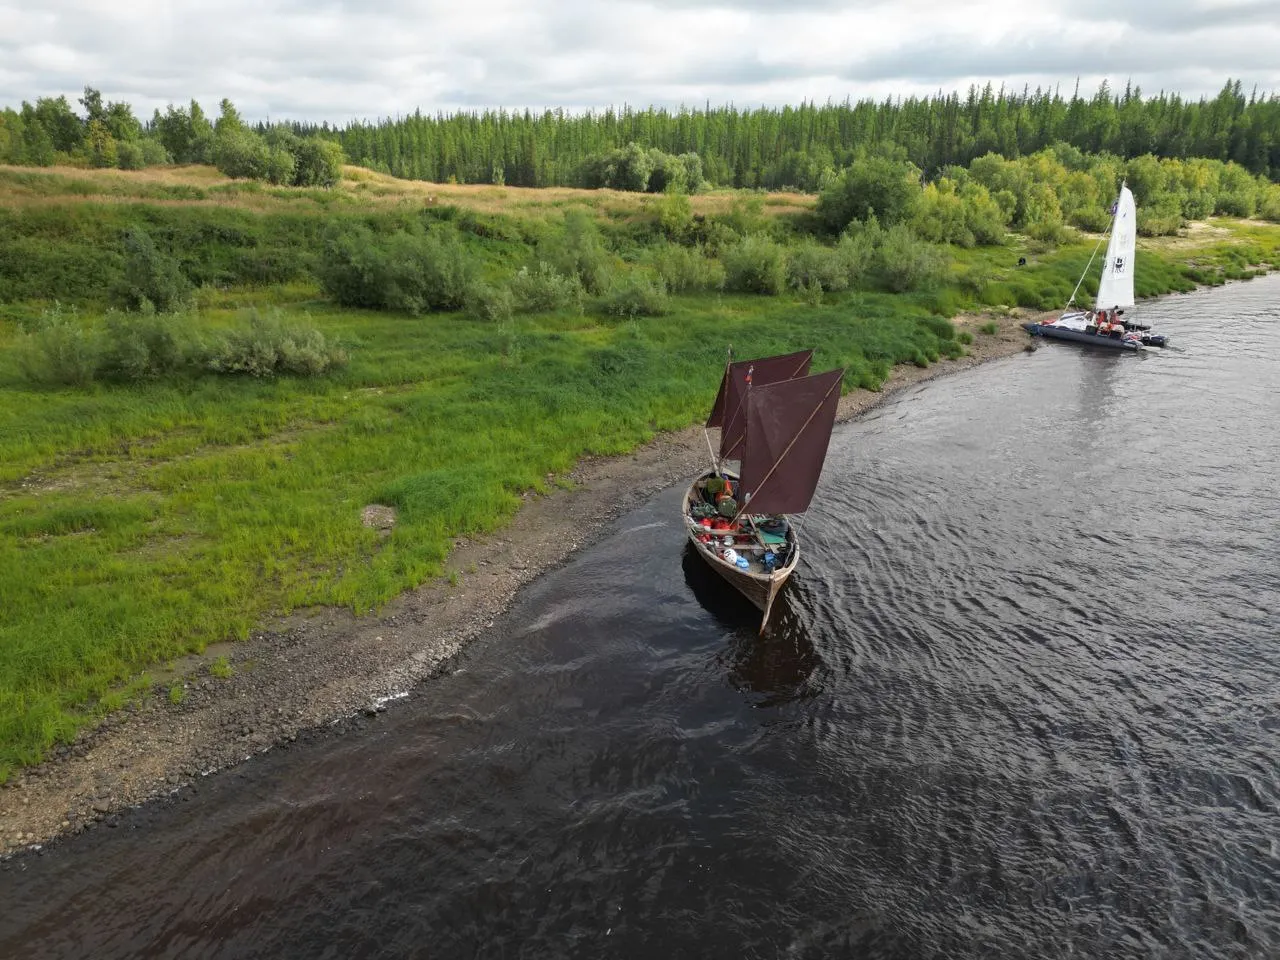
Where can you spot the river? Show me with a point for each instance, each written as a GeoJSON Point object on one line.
{"type": "Point", "coordinates": [1022, 699]}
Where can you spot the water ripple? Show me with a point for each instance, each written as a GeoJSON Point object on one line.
{"type": "Point", "coordinates": [1020, 700]}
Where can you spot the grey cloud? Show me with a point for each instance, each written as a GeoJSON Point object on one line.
{"type": "Point", "coordinates": [770, 6]}
{"type": "Point", "coordinates": [341, 60]}
{"type": "Point", "coordinates": [1176, 16]}
{"type": "Point", "coordinates": [1127, 55]}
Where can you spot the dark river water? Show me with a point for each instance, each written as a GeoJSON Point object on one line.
{"type": "Point", "coordinates": [1022, 700]}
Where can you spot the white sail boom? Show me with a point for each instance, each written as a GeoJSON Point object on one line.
{"type": "Point", "coordinates": [1115, 289]}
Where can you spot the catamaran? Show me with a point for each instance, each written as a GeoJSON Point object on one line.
{"type": "Point", "coordinates": [1105, 325]}
{"type": "Point", "coordinates": [775, 419]}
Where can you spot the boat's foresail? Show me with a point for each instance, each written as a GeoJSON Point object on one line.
{"type": "Point", "coordinates": [788, 428]}
{"type": "Point", "coordinates": [1115, 289]}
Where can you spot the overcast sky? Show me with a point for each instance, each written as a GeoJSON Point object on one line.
{"type": "Point", "coordinates": [342, 59]}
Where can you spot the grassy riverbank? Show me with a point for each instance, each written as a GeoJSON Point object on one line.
{"type": "Point", "coordinates": [145, 519]}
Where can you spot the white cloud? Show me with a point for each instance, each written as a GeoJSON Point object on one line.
{"type": "Point", "coordinates": [345, 59]}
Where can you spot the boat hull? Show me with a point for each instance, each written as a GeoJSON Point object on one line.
{"type": "Point", "coordinates": [1079, 336]}
{"type": "Point", "coordinates": [761, 589]}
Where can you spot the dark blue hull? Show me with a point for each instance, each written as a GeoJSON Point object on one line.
{"type": "Point", "coordinates": [1062, 333]}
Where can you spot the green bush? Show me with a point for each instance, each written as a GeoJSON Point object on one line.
{"type": "Point", "coordinates": [813, 267]}
{"type": "Point", "coordinates": [413, 272]}
{"type": "Point", "coordinates": [636, 296]}
{"type": "Point", "coordinates": [319, 162]}
{"type": "Point", "coordinates": [270, 346]}
{"type": "Point", "coordinates": [143, 346]}
{"type": "Point", "coordinates": [1269, 203]}
{"type": "Point", "coordinates": [129, 155]}
{"type": "Point", "coordinates": [543, 290]}
{"type": "Point", "coordinates": [857, 251]}
{"type": "Point", "coordinates": [426, 272]}
{"type": "Point", "coordinates": [755, 265]}
{"type": "Point", "coordinates": [907, 263]}
{"type": "Point", "coordinates": [874, 187]}
{"type": "Point", "coordinates": [60, 349]}
{"type": "Point", "coordinates": [686, 269]}
{"type": "Point", "coordinates": [153, 152]}
{"type": "Point", "coordinates": [241, 154]}
{"type": "Point", "coordinates": [488, 302]}
{"type": "Point", "coordinates": [151, 277]}
{"type": "Point", "coordinates": [577, 250]}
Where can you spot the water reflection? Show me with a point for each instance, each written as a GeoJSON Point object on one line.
{"type": "Point", "coordinates": [775, 668]}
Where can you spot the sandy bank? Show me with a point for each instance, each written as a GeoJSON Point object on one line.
{"type": "Point", "coordinates": [311, 668]}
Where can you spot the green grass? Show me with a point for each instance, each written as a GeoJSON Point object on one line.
{"type": "Point", "coordinates": [141, 522]}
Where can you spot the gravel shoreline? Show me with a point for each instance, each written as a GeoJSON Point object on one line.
{"type": "Point", "coordinates": [316, 667]}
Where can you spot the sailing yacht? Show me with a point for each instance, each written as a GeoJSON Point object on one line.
{"type": "Point", "coordinates": [1105, 325]}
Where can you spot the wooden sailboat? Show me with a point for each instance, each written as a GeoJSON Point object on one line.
{"type": "Point", "coordinates": [775, 419]}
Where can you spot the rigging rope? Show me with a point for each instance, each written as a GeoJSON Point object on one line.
{"type": "Point", "coordinates": [1086, 268]}
{"type": "Point", "coordinates": [1115, 213]}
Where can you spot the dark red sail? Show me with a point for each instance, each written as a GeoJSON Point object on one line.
{"type": "Point", "coordinates": [729, 411]}
{"type": "Point", "coordinates": [788, 426]}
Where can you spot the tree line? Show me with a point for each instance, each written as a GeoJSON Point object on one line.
{"type": "Point", "coordinates": [108, 134]}
{"type": "Point", "coordinates": [799, 147]}
{"type": "Point", "coordinates": [804, 148]}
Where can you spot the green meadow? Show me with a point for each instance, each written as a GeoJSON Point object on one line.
{"type": "Point", "coordinates": [146, 516]}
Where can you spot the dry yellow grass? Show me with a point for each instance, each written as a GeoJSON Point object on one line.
{"type": "Point", "coordinates": [360, 185]}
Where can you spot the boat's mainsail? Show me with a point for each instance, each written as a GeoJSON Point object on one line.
{"type": "Point", "coordinates": [729, 411]}
{"type": "Point", "coordinates": [788, 427]}
{"type": "Point", "coordinates": [1115, 289]}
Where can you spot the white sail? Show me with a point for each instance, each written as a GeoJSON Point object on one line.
{"type": "Point", "coordinates": [1115, 289]}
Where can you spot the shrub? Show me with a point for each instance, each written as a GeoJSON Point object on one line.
{"type": "Point", "coordinates": [349, 267]}
{"type": "Point", "coordinates": [1269, 203]}
{"type": "Point", "coordinates": [746, 216]}
{"type": "Point", "coordinates": [60, 349]}
{"type": "Point", "coordinates": [874, 187]}
{"type": "Point", "coordinates": [1162, 218]}
{"type": "Point", "coordinates": [636, 296]}
{"type": "Point", "coordinates": [908, 263]}
{"type": "Point", "coordinates": [813, 267]}
{"type": "Point", "coordinates": [488, 302]}
{"type": "Point", "coordinates": [241, 154]}
{"type": "Point", "coordinates": [129, 155]}
{"type": "Point", "coordinates": [939, 215]}
{"type": "Point", "coordinates": [755, 265]}
{"type": "Point", "coordinates": [143, 346]}
{"type": "Point", "coordinates": [153, 152]}
{"type": "Point", "coordinates": [543, 290]}
{"type": "Point", "coordinates": [857, 251]}
{"type": "Point", "coordinates": [269, 346]}
{"type": "Point", "coordinates": [150, 275]}
{"type": "Point", "coordinates": [1093, 219]}
{"type": "Point", "coordinates": [406, 271]}
{"type": "Point", "coordinates": [685, 269]}
{"type": "Point", "coordinates": [577, 251]}
{"type": "Point", "coordinates": [675, 214]}
{"type": "Point", "coordinates": [279, 166]}
{"type": "Point", "coordinates": [319, 162]}
{"type": "Point", "coordinates": [426, 272]}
